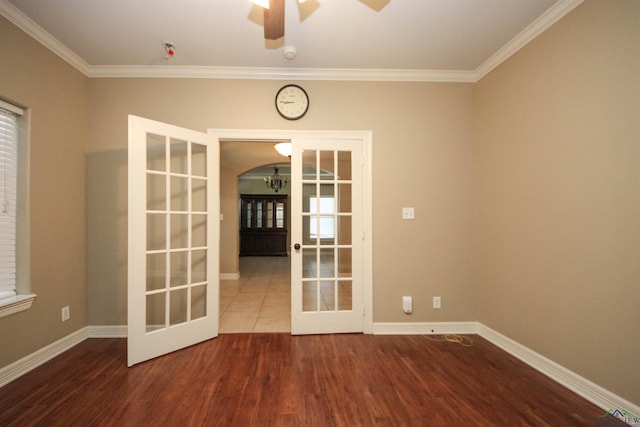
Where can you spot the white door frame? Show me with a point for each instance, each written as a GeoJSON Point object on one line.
{"type": "Point", "coordinates": [367, 140]}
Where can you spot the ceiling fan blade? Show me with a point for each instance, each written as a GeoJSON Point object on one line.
{"type": "Point", "coordinates": [274, 20]}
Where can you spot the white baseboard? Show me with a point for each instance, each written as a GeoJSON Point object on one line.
{"type": "Point", "coordinates": [37, 358]}
{"type": "Point", "coordinates": [592, 392]}
{"type": "Point", "coordinates": [424, 328]}
{"type": "Point", "coordinates": [230, 276]}
{"type": "Point", "coordinates": [111, 331]}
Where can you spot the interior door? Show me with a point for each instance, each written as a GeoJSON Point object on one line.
{"type": "Point", "coordinates": [327, 236]}
{"type": "Point", "coordinates": [173, 238]}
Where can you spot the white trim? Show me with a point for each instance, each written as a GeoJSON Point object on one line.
{"type": "Point", "coordinates": [37, 358]}
{"type": "Point", "coordinates": [280, 73]}
{"type": "Point", "coordinates": [34, 30]}
{"type": "Point", "coordinates": [230, 276]}
{"type": "Point", "coordinates": [10, 107]}
{"type": "Point", "coordinates": [16, 304]}
{"type": "Point", "coordinates": [109, 331]}
{"type": "Point", "coordinates": [367, 226]}
{"type": "Point", "coordinates": [424, 328]}
{"type": "Point", "coordinates": [552, 15]}
{"type": "Point", "coordinates": [592, 392]}
{"type": "Point", "coordinates": [537, 27]}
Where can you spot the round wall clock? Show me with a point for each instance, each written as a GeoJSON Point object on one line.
{"type": "Point", "coordinates": [292, 102]}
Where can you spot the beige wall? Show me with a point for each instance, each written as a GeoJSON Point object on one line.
{"type": "Point", "coordinates": [56, 95]}
{"type": "Point", "coordinates": [229, 226]}
{"type": "Point", "coordinates": [541, 157]}
{"type": "Point", "coordinates": [558, 137]}
{"type": "Point", "coordinates": [423, 156]}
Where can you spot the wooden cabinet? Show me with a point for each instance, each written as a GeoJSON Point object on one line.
{"type": "Point", "coordinates": [263, 225]}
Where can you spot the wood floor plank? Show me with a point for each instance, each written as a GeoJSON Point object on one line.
{"type": "Point", "coordinates": [284, 380]}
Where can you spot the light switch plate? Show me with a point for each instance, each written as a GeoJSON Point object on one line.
{"type": "Point", "coordinates": [408, 213]}
{"type": "Point", "coordinates": [437, 302]}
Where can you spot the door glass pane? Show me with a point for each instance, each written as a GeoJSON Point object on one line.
{"type": "Point", "coordinates": [327, 262]}
{"type": "Point", "coordinates": [344, 165]}
{"type": "Point", "coordinates": [309, 164]}
{"type": "Point", "coordinates": [179, 157]}
{"type": "Point", "coordinates": [248, 212]}
{"type": "Point", "coordinates": [156, 152]}
{"type": "Point", "coordinates": [322, 226]}
{"type": "Point", "coordinates": [156, 231]}
{"type": "Point", "coordinates": [179, 231]}
{"type": "Point", "coordinates": [198, 302]}
{"type": "Point", "coordinates": [155, 312]}
{"type": "Point", "coordinates": [326, 229]}
{"type": "Point", "coordinates": [344, 295]}
{"type": "Point", "coordinates": [198, 160]}
{"type": "Point", "coordinates": [308, 192]}
{"type": "Point", "coordinates": [198, 195]}
{"type": "Point", "coordinates": [327, 202]}
{"type": "Point", "coordinates": [156, 271]}
{"type": "Point", "coordinates": [344, 198]}
{"type": "Point", "coordinates": [178, 306]}
{"type": "Point", "coordinates": [178, 268]}
{"type": "Point", "coordinates": [179, 193]}
{"type": "Point", "coordinates": [327, 166]}
{"type": "Point", "coordinates": [310, 296]}
{"type": "Point", "coordinates": [327, 295]}
{"type": "Point", "coordinates": [306, 231]}
{"type": "Point", "coordinates": [199, 266]}
{"type": "Point", "coordinates": [198, 230]}
{"type": "Point", "coordinates": [344, 230]}
{"type": "Point", "coordinates": [309, 262]}
{"type": "Point", "coordinates": [156, 192]}
{"type": "Point", "coordinates": [344, 262]}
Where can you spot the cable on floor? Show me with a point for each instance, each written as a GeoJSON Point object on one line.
{"type": "Point", "coordinates": [463, 340]}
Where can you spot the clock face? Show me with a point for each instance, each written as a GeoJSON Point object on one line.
{"type": "Point", "coordinates": [292, 102]}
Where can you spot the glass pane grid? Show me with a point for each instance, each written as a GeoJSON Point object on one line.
{"type": "Point", "coordinates": [173, 297]}
{"type": "Point", "coordinates": [174, 174]}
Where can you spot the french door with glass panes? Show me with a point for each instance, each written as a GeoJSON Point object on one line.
{"type": "Point", "coordinates": [327, 236]}
{"type": "Point", "coordinates": [173, 238]}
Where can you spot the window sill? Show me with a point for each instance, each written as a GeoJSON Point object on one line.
{"type": "Point", "coordinates": [13, 305]}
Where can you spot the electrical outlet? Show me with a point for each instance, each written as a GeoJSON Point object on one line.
{"type": "Point", "coordinates": [65, 313]}
{"type": "Point", "coordinates": [437, 302]}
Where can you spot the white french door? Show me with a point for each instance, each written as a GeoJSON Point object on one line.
{"type": "Point", "coordinates": [173, 238]}
{"type": "Point", "coordinates": [327, 236]}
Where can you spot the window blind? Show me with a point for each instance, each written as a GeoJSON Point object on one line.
{"type": "Point", "coordinates": [8, 197]}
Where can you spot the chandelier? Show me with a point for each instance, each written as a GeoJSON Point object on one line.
{"type": "Point", "coordinates": [276, 182]}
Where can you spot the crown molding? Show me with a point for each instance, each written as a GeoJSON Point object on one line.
{"type": "Point", "coordinates": [265, 73]}
{"type": "Point", "coordinates": [551, 16]}
{"type": "Point", "coordinates": [26, 24]}
{"type": "Point", "coordinates": [544, 21]}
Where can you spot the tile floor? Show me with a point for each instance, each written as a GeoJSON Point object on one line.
{"type": "Point", "coordinates": [260, 300]}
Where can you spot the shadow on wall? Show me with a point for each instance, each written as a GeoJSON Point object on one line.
{"type": "Point", "coordinates": [107, 237]}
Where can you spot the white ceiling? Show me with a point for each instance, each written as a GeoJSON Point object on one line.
{"type": "Point", "coordinates": [440, 40]}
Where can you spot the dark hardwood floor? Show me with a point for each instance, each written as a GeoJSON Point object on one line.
{"type": "Point", "coordinates": [284, 380]}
